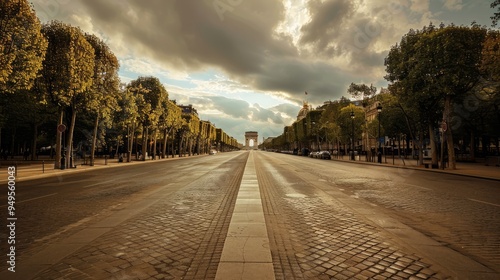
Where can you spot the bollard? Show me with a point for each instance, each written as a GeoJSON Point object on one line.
{"type": "Point", "coordinates": [106, 160]}
{"type": "Point", "coordinates": [63, 163]}
{"type": "Point", "coordinates": [43, 166]}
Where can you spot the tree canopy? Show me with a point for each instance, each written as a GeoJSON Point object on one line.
{"type": "Point", "coordinates": [22, 45]}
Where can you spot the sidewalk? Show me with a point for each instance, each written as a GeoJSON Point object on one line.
{"type": "Point", "coordinates": [471, 169]}
{"type": "Point", "coordinates": [44, 166]}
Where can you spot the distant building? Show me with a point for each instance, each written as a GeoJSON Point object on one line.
{"type": "Point", "coordinates": [303, 111]}
{"type": "Point", "coordinates": [188, 109]}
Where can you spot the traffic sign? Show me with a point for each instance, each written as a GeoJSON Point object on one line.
{"type": "Point", "coordinates": [61, 128]}
{"type": "Point", "coordinates": [444, 126]}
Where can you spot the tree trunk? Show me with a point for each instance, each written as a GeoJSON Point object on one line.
{"type": "Point", "coordinates": [33, 145]}
{"type": "Point", "coordinates": [190, 146]}
{"type": "Point", "coordinates": [70, 136]}
{"type": "Point", "coordinates": [118, 146]}
{"type": "Point", "coordinates": [172, 145]}
{"type": "Point", "coordinates": [472, 147]}
{"type": "Point", "coordinates": [449, 133]}
{"type": "Point", "coordinates": [154, 144]}
{"type": "Point", "coordinates": [181, 140]}
{"type": "Point", "coordinates": [164, 146]}
{"type": "Point", "coordinates": [144, 141]}
{"type": "Point", "coordinates": [421, 148]}
{"type": "Point", "coordinates": [13, 143]}
{"type": "Point", "coordinates": [57, 164]}
{"type": "Point", "coordinates": [136, 141]}
{"type": "Point", "coordinates": [94, 140]}
{"type": "Point", "coordinates": [432, 137]}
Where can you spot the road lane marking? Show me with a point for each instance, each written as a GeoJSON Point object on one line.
{"type": "Point", "coordinates": [98, 183]}
{"type": "Point", "coordinates": [484, 202]}
{"type": "Point", "coordinates": [31, 199]}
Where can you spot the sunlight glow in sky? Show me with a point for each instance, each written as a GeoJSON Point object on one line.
{"type": "Point", "coordinates": [245, 65]}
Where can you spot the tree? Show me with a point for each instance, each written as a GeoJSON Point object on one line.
{"type": "Point", "coordinates": [101, 99]}
{"type": "Point", "coordinates": [348, 125]}
{"type": "Point", "coordinates": [490, 59]}
{"type": "Point", "coordinates": [330, 121]}
{"type": "Point", "coordinates": [489, 88]}
{"type": "Point", "coordinates": [172, 122]}
{"type": "Point", "coordinates": [362, 91]}
{"type": "Point", "coordinates": [149, 94]}
{"type": "Point", "coordinates": [436, 66]}
{"type": "Point", "coordinates": [496, 16]}
{"type": "Point", "coordinates": [416, 98]}
{"type": "Point", "coordinates": [454, 69]}
{"type": "Point", "coordinates": [22, 50]}
{"type": "Point", "coordinates": [66, 74]}
{"type": "Point", "coordinates": [126, 117]}
{"type": "Point", "coordinates": [22, 45]}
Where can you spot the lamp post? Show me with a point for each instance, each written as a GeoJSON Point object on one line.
{"type": "Point", "coordinates": [352, 138]}
{"type": "Point", "coordinates": [379, 154]}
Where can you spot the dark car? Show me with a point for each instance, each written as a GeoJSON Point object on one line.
{"type": "Point", "coordinates": [324, 155]}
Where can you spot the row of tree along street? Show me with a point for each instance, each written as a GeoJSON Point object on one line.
{"type": "Point", "coordinates": [55, 76]}
{"type": "Point", "coordinates": [443, 95]}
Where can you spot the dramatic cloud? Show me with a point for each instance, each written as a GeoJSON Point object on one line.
{"type": "Point", "coordinates": [246, 64]}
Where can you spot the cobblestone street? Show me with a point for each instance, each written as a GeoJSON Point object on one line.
{"type": "Point", "coordinates": [199, 219]}
{"type": "Point", "coordinates": [313, 237]}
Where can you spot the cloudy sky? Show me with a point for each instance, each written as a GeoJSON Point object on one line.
{"type": "Point", "coordinates": [246, 64]}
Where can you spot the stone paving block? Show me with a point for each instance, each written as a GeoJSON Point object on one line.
{"type": "Point", "coordinates": [246, 249]}
{"type": "Point", "coordinates": [245, 271]}
{"type": "Point", "coordinates": [248, 201]}
{"type": "Point", "coordinates": [247, 230]}
{"type": "Point", "coordinates": [249, 217]}
{"type": "Point", "coordinates": [247, 208]}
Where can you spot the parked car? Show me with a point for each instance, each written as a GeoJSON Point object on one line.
{"type": "Point", "coordinates": [324, 155]}
{"type": "Point", "coordinates": [213, 152]}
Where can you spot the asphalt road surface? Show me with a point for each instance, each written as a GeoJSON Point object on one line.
{"type": "Point", "coordinates": [325, 219]}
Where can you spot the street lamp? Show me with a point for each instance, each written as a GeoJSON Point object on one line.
{"type": "Point", "coordinates": [379, 154]}
{"type": "Point", "coordinates": [352, 138]}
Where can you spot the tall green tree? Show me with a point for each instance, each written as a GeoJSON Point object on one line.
{"type": "Point", "coordinates": [172, 122]}
{"type": "Point", "coordinates": [101, 99]}
{"type": "Point", "coordinates": [66, 75]}
{"type": "Point", "coordinates": [149, 94]}
{"type": "Point", "coordinates": [436, 67]}
{"type": "Point", "coordinates": [126, 117]}
{"type": "Point", "coordinates": [22, 45]}
{"type": "Point", "coordinates": [415, 95]}
{"type": "Point", "coordinates": [22, 50]}
{"type": "Point", "coordinates": [454, 69]}
{"type": "Point", "coordinates": [351, 128]}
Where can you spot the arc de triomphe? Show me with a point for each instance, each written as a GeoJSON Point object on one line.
{"type": "Point", "coordinates": [251, 135]}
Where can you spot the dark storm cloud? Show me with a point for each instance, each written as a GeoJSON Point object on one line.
{"type": "Point", "coordinates": [328, 20]}
{"type": "Point", "coordinates": [191, 35]}
{"type": "Point", "coordinates": [321, 80]}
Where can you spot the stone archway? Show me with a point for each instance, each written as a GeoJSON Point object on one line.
{"type": "Point", "coordinates": [251, 136]}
